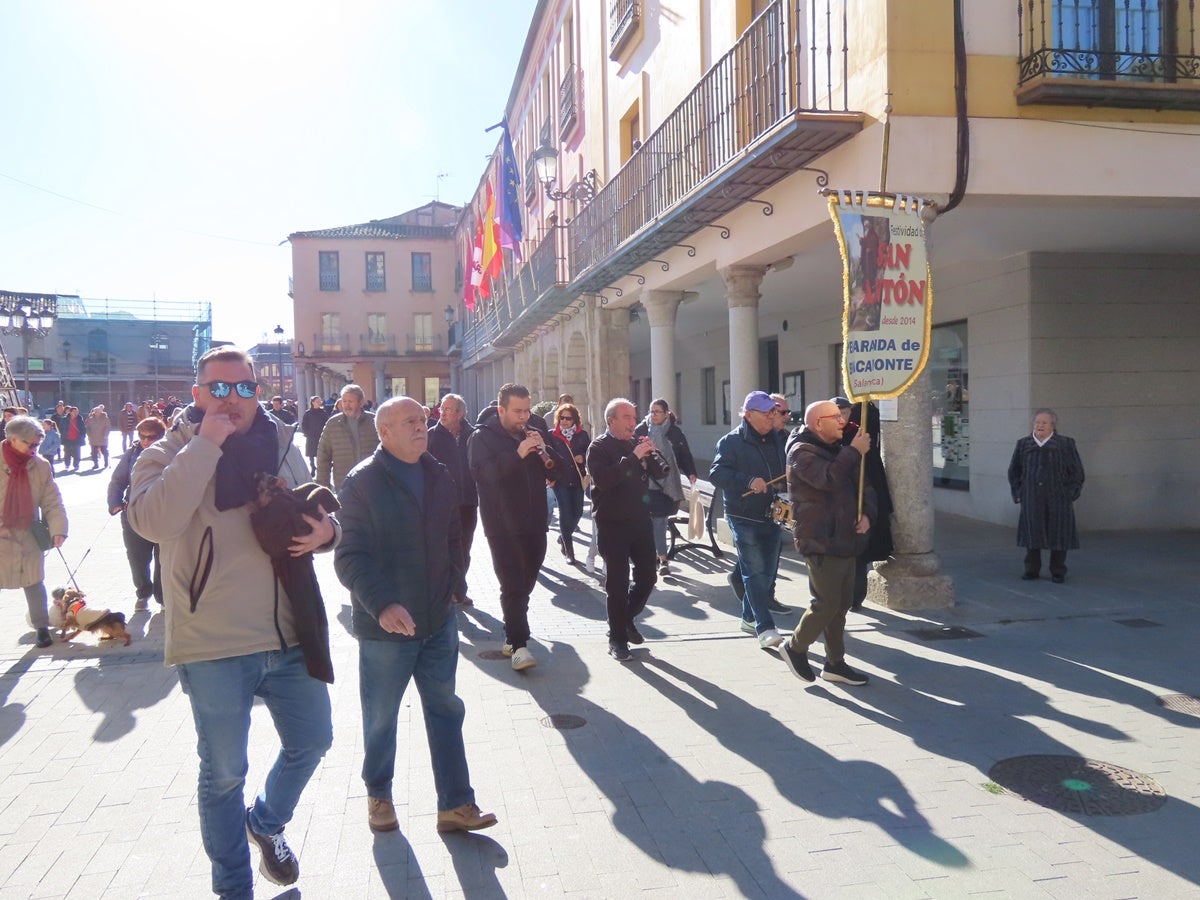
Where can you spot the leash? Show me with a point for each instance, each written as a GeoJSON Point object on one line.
{"type": "Point", "coordinates": [95, 540]}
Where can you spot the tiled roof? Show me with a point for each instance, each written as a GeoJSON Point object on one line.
{"type": "Point", "coordinates": [386, 230]}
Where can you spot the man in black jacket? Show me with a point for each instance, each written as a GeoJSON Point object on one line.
{"type": "Point", "coordinates": [621, 469]}
{"type": "Point", "coordinates": [448, 444]}
{"type": "Point", "coordinates": [506, 463]}
{"type": "Point", "coordinates": [400, 557]}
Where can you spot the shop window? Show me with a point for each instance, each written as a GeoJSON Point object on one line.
{"type": "Point", "coordinates": [949, 377]}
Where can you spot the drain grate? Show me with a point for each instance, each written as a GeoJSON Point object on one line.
{"type": "Point", "coordinates": [945, 633]}
{"type": "Point", "coordinates": [1138, 623]}
{"type": "Point", "coordinates": [1072, 784]}
{"type": "Point", "coordinates": [563, 721]}
{"type": "Point", "coordinates": [491, 654]}
{"type": "Point", "coordinates": [1181, 703]}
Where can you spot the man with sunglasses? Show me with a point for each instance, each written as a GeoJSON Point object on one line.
{"type": "Point", "coordinates": [230, 626]}
{"type": "Point", "coordinates": [830, 533]}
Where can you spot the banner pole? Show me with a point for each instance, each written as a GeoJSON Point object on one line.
{"type": "Point", "coordinates": [862, 460]}
{"type": "Point", "coordinates": [887, 137]}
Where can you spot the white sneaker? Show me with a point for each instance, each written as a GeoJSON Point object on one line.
{"type": "Point", "coordinates": [507, 650]}
{"type": "Point", "coordinates": [522, 659]}
{"type": "Point", "coordinates": [768, 640]}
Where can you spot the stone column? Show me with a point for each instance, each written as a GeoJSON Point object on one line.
{"type": "Point", "coordinates": [609, 354]}
{"type": "Point", "coordinates": [911, 578]}
{"type": "Point", "coordinates": [741, 295]}
{"type": "Point", "coordinates": [661, 307]}
{"type": "Point", "coordinates": [380, 367]}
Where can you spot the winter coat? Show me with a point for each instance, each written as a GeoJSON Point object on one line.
{"type": "Point", "coordinates": [395, 550]}
{"type": "Point", "coordinates": [743, 455]}
{"type": "Point", "coordinates": [565, 452]}
{"type": "Point", "coordinates": [335, 450]}
{"type": "Point", "coordinates": [22, 562]}
{"type": "Point", "coordinates": [98, 426]}
{"type": "Point", "coordinates": [51, 445]}
{"type": "Point", "coordinates": [512, 490]}
{"type": "Point", "coordinates": [683, 453]}
{"type": "Point", "coordinates": [238, 608]}
{"type": "Point", "coordinates": [127, 419]}
{"type": "Point", "coordinates": [311, 424]}
{"type": "Point", "coordinates": [64, 429]}
{"type": "Point", "coordinates": [879, 538]}
{"type": "Point", "coordinates": [451, 451]}
{"type": "Point", "coordinates": [823, 487]}
{"type": "Point", "coordinates": [118, 485]}
{"type": "Point", "coordinates": [620, 481]}
{"type": "Point", "coordinates": [1046, 481]}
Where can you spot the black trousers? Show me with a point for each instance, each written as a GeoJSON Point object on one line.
{"type": "Point", "coordinates": [142, 554]}
{"type": "Point", "coordinates": [468, 515]}
{"type": "Point", "coordinates": [517, 559]}
{"type": "Point", "coordinates": [1058, 562]}
{"type": "Point", "coordinates": [620, 543]}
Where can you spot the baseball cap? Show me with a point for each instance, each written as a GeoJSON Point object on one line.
{"type": "Point", "coordinates": [759, 401]}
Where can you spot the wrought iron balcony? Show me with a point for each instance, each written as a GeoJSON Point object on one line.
{"type": "Point", "coordinates": [568, 102]}
{"type": "Point", "coordinates": [768, 107]}
{"type": "Point", "coordinates": [426, 343]}
{"type": "Point", "coordinates": [377, 344]}
{"type": "Point", "coordinates": [623, 19]}
{"type": "Point", "coordinates": [330, 281]}
{"type": "Point", "coordinates": [1121, 53]}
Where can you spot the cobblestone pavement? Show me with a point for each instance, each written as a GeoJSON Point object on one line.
{"type": "Point", "coordinates": [703, 769]}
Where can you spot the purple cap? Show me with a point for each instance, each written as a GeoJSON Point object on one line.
{"type": "Point", "coordinates": [759, 401]}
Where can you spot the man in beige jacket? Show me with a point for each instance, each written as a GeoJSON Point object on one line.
{"type": "Point", "coordinates": [347, 439]}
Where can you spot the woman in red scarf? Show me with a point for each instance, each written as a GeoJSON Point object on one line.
{"type": "Point", "coordinates": [27, 486]}
{"type": "Point", "coordinates": [571, 448]}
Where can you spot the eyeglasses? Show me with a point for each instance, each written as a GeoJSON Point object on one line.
{"type": "Point", "coordinates": [222, 389]}
{"type": "Point", "coordinates": [566, 418]}
{"type": "Point", "coordinates": [784, 412]}
{"type": "Point", "coordinates": [836, 415]}
{"type": "Point", "coordinates": [28, 443]}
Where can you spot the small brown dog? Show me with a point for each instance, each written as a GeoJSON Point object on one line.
{"type": "Point", "coordinates": [77, 617]}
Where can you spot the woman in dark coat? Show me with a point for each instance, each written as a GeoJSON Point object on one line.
{"type": "Point", "coordinates": [666, 494]}
{"type": "Point", "coordinates": [311, 424]}
{"type": "Point", "coordinates": [569, 442]}
{"type": "Point", "coordinates": [1046, 477]}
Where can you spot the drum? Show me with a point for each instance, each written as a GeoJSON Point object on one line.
{"type": "Point", "coordinates": [781, 511]}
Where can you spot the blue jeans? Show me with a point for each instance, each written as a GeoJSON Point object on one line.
{"type": "Point", "coordinates": [221, 692]}
{"type": "Point", "coordinates": [384, 670]}
{"type": "Point", "coordinates": [570, 511]}
{"type": "Point", "coordinates": [758, 546]}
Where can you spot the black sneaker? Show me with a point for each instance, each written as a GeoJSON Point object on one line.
{"type": "Point", "coordinates": [798, 663]}
{"type": "Point", "coordinates": [619, 651]}
{"type": "Point", "coordinates": [843, 674]}
{"type": "Point", "coordinates": [778, 608]}
{"type": "Point", "coordinates": [633, 635]}
{"type": "Point", "coordinates": [43, 638]}
{"type": "Point", "coordinates": [739, 586]}
{"type": "Point", "coordinates": [279, 863]}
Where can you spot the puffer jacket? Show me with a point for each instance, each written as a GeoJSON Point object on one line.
{"type": "Point", "coordinates": [335, 450]}
{"type": "Point", "coordinates": [823, 484]}
{"type": "Point", "coordinates": [22, 562]}
{"type": "Point", "coordinates": [210, 553]}
{"type": "Point", "coordinates": [743, 455]}
{"type": "Point", "coordinates": [395, 550]}
{"type": "Point", "coordinates": [512, 490]}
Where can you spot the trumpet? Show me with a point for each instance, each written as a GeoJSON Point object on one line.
{"type": "Point", "coordinates": [541, 451]}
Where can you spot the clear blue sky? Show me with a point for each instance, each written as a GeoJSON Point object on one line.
{"type": "Point", "coordinates": [158, 149]}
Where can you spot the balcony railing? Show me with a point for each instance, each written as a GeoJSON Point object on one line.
{"type": "Point", "coordinates": [1128, 53]}
{"type": "Point", "coordinates": [330, 344]}
{"type": "Point", "coordinates": [376, 343]}
{"type": "Point", "coordinates": [623, 19]}
{"type": "Point", "coordinates": [568, 102]}
{"type": "Point", "coordinates": [426, 343]}
{"type": "Point", "coordinates": [422, 281]}
{"type": "Point", "coordinates": [752, 94]}
{"type": "Point", "coordinates": [330, 281]}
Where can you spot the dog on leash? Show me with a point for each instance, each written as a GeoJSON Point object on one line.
{"type": "Point", "coordinates": [73, 615]}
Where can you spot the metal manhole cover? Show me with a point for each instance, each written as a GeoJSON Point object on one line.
{"type": "Point", "coordinates": [1181, 703]}
{"type": "Point", "coordinates": [945, 633]}
{"type": "Point", "coordinates": [491, 654]}
{"type": "Point", "coordinates": [563, 721]}
{"type": "Point", "coordinates": [1072, 784]}
{"type": "Point", "coordinates": [1138, 623]}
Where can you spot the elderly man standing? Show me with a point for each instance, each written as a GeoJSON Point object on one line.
{"type": "Point", "coordinates": [508, 458]}
{"type": "Point", "coordinates": [400, 558]}
{"type": "Point", "coordinates": [748, 467]}
{"type": "Point", "coordinates": [448, 444]}
{"type": "Point", "coordinates": [823, 484]}
{"type": "Point", "coordinates": [621, 468]}
{"type": "Point", "coordinates": [347, 438]}
{"type": "Point", "coordinates": [230, 627]}
{"type": "Point", "coordinates": [127, 420]}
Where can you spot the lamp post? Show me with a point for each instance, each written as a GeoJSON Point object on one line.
{"type": "Point", "coordinates": [545, 162]}
{"type": "Point", "coordinates": [26, 315]}
{"type": "Point", "coordinates": [279, 341]}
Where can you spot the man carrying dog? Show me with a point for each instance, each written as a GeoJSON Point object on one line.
{"type": "Point", "coordinates": [230, 628]}
{"type": "Point", "coordinates": [823, 484]}
{"type": "Point", "coordinates": [401, 558]}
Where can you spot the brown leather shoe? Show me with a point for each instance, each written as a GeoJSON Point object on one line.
{"type": "Point", "coordinates": [465, 818]}
{"type": "Point", "coordinates": [381, 815]}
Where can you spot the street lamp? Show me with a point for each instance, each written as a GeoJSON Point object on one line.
{"type": "Point", "coordinates": [27, 314]}
{"type": "Point", "coordinates": [545, 162]}
{"type": "Point", "coordinates": [279, 341]}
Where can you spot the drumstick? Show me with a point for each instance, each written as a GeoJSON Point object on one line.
{"type": "Point", "coordinates": [772, 481]}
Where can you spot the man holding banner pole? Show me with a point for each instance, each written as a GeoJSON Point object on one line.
{"type": "Point", "coordinates": [829, 531]}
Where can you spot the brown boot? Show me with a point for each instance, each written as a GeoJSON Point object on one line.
{"type": "Point", "coordinates": [381, 815]}
{"type": "Point", "coordinates": [464, 818]}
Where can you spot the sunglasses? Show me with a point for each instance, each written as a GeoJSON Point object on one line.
{"type": "Point", "coordinates": [247, 390]}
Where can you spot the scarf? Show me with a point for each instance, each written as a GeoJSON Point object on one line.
{"type": "Point", "coordinates": [670, 485]}
{"type": "Point", "coordinates": [566, 433]}
{"type": "Point", "coordinates": [18, 502]}
{"type": "Point", "coordinates": [242, 457]}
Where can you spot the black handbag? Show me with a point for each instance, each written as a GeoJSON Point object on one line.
{"type": "Point", "coordinates": [41, 535]}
